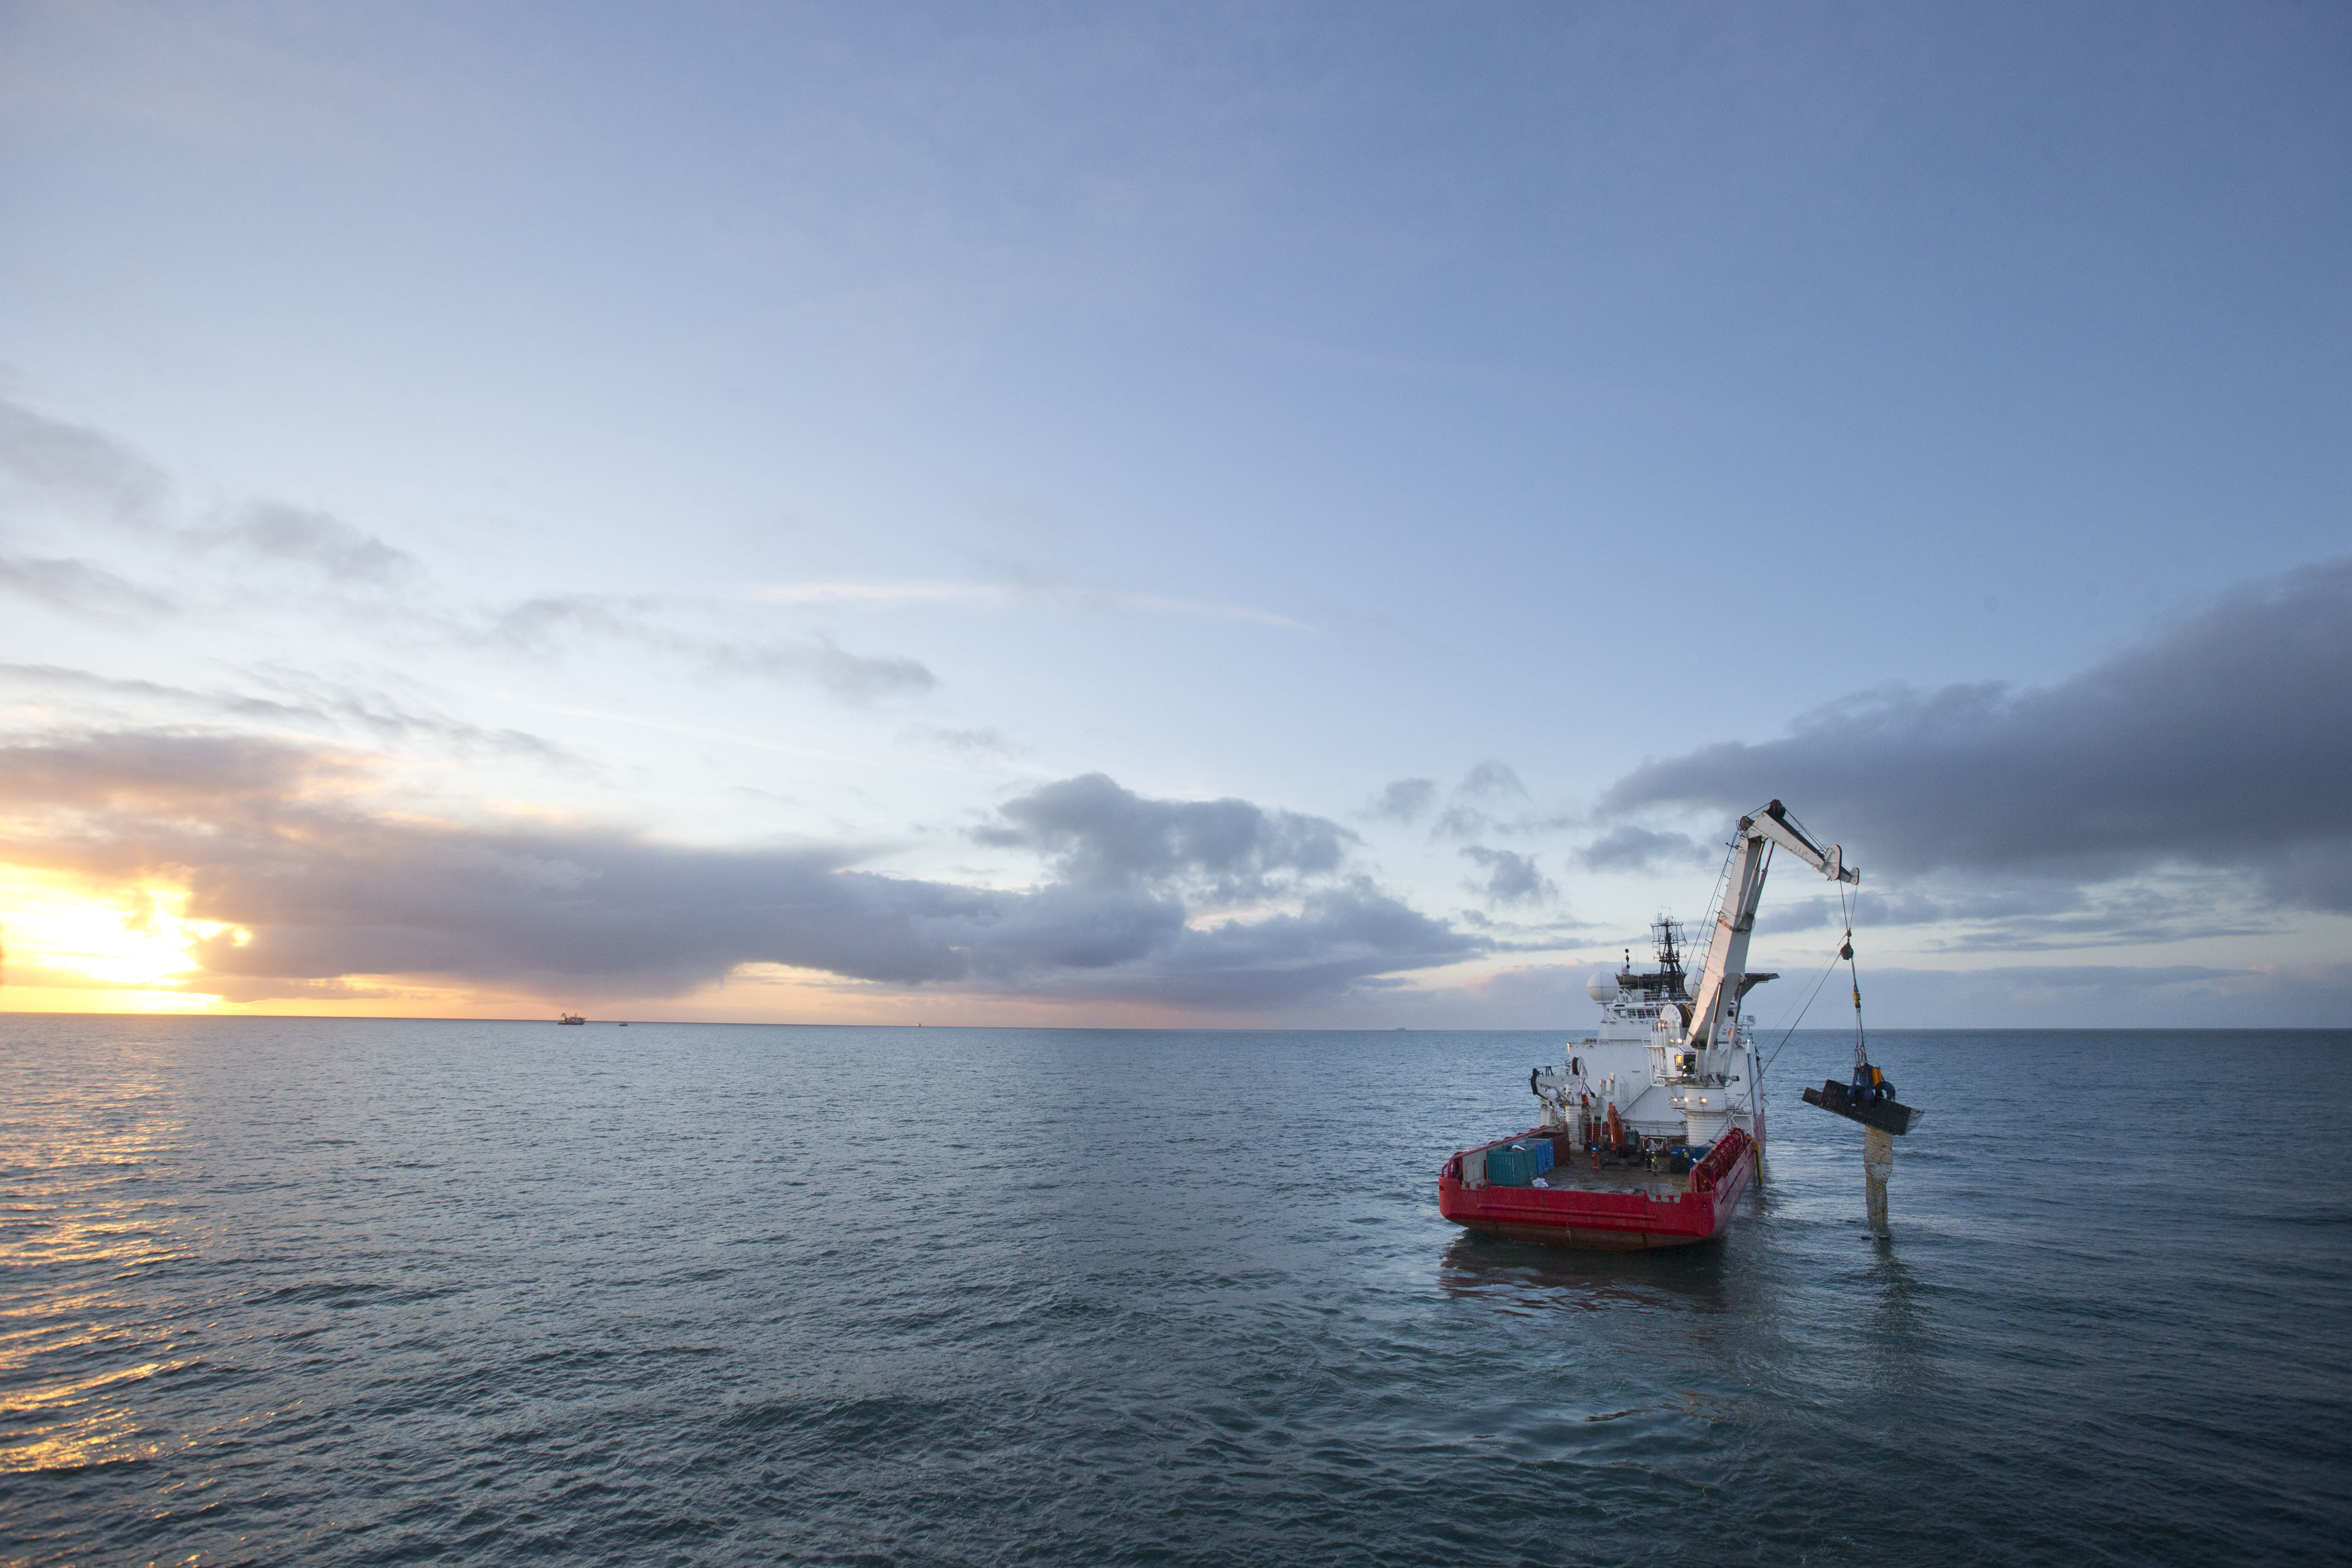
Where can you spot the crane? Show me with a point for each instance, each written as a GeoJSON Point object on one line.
{"type": "Point", "coordinates": [1869, 1098]}
{"type": "Point", "coordinates": [1723, 980]}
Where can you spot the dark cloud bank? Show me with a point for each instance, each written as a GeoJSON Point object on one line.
{"type": "Point", "coordinates": [268, 836]}
{"type": "Point", "coordinates": [2224, 742]}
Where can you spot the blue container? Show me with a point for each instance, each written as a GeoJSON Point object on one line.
{"type": "Point", "coordinates": [1510, 1165]}
{"type": "Point", "coordinates": [1517, 1165]}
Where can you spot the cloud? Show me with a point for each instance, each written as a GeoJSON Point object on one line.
{"type": "Point", "coordinates": [78, 587]}
{"type": "Point", "coordinates": [273, 531]}
{"type": "Point", "coordinates": [537, 625]}
{"type": "Point", "coordinates": [90, 477]}
{"type": "Point", "coordinates": [1492, 780]}
{"type": "Point", "coordinates": [66, 474]}
{"type": "Point", "coordinates": [852, 678]}
{"type": "Point", "coordinates": [1784, 915]}
{"type": "Point", "coordinates": [1480, 805]}
{"type": "Point", "coordinates": [2029, 996]}
{"type": "Point", "coordinates": [318, 705]}
{"type": "Point", "coordinates": [2314, 875]}
{"type": "Point", "coordinates": [2046, 914]}
{"type": "Point", "coordinates": [1548, 934]}
{"type": "Point", "coordinates": [1341, 939]}
{"type": "Point", "coordinates": [2222, 741]}
{"type": "Point", "coordinates": [1101, 835]}
{"type": "Point", "coordinates": [1008, 596]}
{"type": "Point", "coordinates": [1404, 800]}
{"type": "Point", "coordinates": [1459, 821]}
{"type": "Point", "coordinates": [276, 843]}
{"type": "Point", "coordinates": [1631, 848]}
{"type": "Point", "coordinates": [87, 473]}
{"type": "Point", "coordinates": [1511, 877]}
{"type": "Point", "coordinates": [978, 745]}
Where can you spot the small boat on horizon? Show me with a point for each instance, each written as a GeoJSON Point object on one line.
{"type": "Point", "coordinates": [571, 1018]}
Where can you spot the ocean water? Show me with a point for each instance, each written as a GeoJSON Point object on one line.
{"type": "Point", "coordinates": [361, 1292]}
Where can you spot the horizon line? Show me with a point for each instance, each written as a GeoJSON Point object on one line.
{"type": "Point", "coordinates": [1169, 1029]}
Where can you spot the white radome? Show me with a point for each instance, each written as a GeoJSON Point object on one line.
{"type": "Point", "coordinates": [1602, 987]}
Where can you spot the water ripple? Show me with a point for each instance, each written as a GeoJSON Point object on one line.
{"type": "Point", "coordinates": [363, 1292]}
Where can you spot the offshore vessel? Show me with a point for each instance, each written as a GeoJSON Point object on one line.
{"type": "Point", "coordinates": [1653, 1128]}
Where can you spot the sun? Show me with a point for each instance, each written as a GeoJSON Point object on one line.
{"type": "Point", "coordinates": [68, 951]}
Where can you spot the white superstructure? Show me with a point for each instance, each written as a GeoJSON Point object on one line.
{"type": "Point", "coordinates": [1674, 1061]}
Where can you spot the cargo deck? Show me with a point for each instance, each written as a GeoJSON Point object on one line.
{"type": "Point", "coordinates": [1625, 1208]}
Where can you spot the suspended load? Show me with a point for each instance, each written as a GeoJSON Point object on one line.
{"type": "Point", "coordinates": [1868, 1097]}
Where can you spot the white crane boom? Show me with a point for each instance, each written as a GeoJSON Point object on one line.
{"type": "Point", "coordinates": [1726, 950]}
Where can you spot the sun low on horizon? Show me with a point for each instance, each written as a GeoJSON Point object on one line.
{"type": "Point", "coordinates": [68, 949]}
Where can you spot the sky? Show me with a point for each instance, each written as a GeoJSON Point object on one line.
{"type": "Point", "coordinates": [1316, 515]}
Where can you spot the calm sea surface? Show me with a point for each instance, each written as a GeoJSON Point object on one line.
{"type": "Point", "coordinates": [346, 1292]}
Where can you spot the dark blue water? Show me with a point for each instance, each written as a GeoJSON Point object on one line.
{"type": "Point", "coordinates": [282, 1291]}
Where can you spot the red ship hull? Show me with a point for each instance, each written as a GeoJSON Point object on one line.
{"type": "Point", "coordinates": [1608, 1220]}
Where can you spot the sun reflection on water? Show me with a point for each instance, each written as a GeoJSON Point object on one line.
{"type": "Point", "coordinates": [81, 1207]}
{"type": "Point", "coordinates": [62, 1435]}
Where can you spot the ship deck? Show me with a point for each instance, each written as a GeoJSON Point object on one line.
{"type": "Point", "coordinates": [1583, 1178]}
{"type": "Point", "coordinates": [1621, 1208]}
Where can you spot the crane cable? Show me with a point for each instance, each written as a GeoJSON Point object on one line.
{"type": "Point", "coordinates": [1861, 1042]}
{"type": "Point", "coordinates": [1807, 1007]}
{"type": "Point", "coordinates": [1844, 955]}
